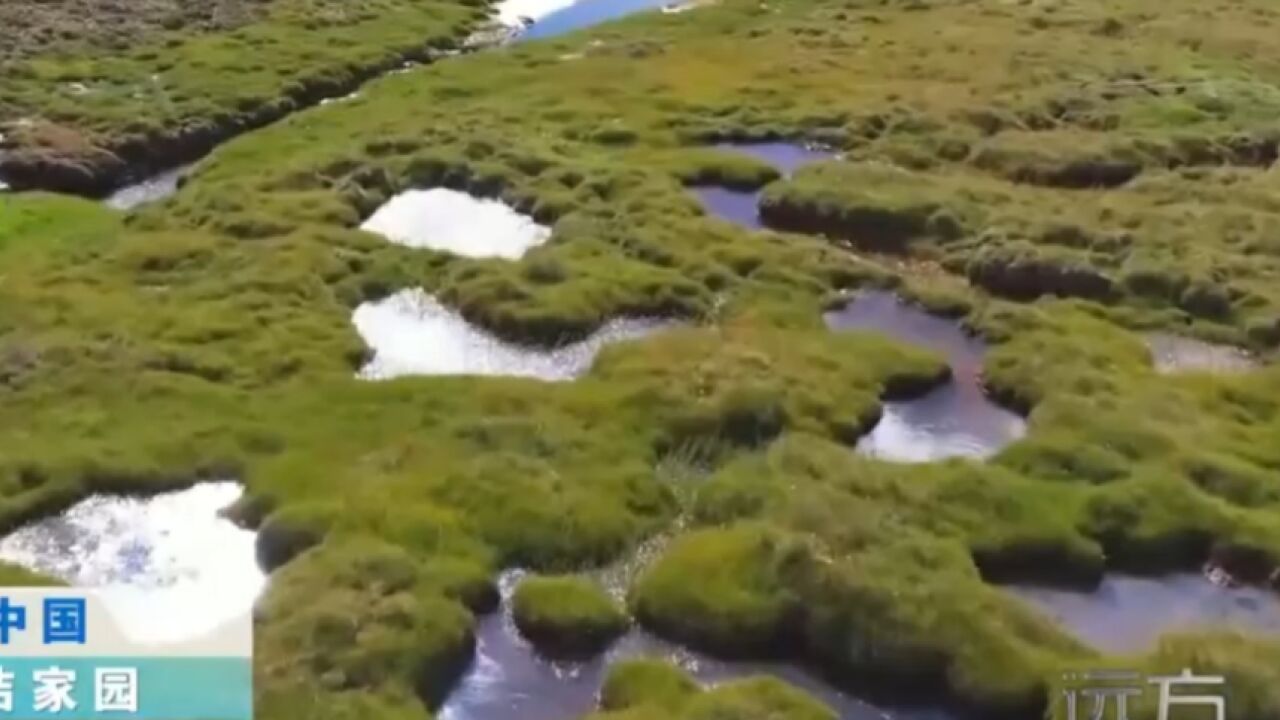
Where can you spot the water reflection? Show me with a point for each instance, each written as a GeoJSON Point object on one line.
{"type": "Point", "coordinates": [508, 680]}
{"type": "Point", "coordinates": [413, 334]}
{"type": "Point", "coordinates": [1128, 614]}
{"type": "Point", "coordinates": [954, 420]}
{"type": "Point", "coordinates": [455, 222]}
{"type": "Point", "coordinates": [174, 566]}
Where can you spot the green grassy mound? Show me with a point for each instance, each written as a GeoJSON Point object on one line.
{"type": "Point", "coordinates": [358, 625]}
{"type": "Point", "coordinates": [567, 616]}
{"type": "Point", "coordinates": [650, 689]}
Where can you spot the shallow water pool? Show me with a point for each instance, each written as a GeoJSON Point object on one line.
{"type": "Point", "coordinates": [175, 567]}
{"type": "Point", "coordinates": [411, 333]}
{"type": "Point", "coordinates": [458, 223]}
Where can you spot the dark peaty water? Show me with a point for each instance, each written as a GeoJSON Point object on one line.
{"type": "Point", "coordinates": [508, 680]}
{"type": "Point", "coordinates": [1128, 614]}
{"type": "Point", "coordinates": [954, 420]}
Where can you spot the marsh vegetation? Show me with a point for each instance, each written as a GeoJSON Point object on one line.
{"type": "Point", "coordinates": [1059, 182]}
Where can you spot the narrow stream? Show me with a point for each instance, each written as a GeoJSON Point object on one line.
{"type": "Point", "coordinates": [174, 567]}
{"type": "Point", "coordinates": [954, 420]}
{"type": "Point", "coordinates": [508, 680]}
{"type": "Point", "coordinates": [518, 20]}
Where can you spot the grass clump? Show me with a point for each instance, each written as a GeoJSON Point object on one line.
{"type": "Point", "coordinates": [631, 683]}
{"type": "Point", "coordinates": [355, 618]}
{"type": "Point", "coordinates": [724, 589]}
{"type": "Point", "coordinates": [876, 207]}
{"type": "Point", "coordinates": [567, 616]}
{"type": "Point", "coordinates": [644, 689]}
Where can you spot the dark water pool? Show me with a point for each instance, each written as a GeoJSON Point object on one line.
{"type": "Point", "coordinates": [1128, 614]}
{"type": "Point", "coordinates": [742, 207]}
{"type": "Point", "coordinates": [509, 681]}
{"type": "Point", "coordinates": [954, 420]}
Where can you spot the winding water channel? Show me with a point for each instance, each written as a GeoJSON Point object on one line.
{"type": "Point", "coordinates": [956, 419]}
{"type": "Point", "coordinates": [508, 680]}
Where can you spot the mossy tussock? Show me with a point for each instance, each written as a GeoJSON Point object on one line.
{"type": "Point", "coordinates": [358, 625]}
{"type": "Point", "coordinates": [567, 617]}
{"type": "Point", "coordinates": [642, 689]}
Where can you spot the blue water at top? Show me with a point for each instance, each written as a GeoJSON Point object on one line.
{"type": "Point", "coordinates": [586, 13]}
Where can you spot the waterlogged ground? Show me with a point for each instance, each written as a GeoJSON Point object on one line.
{"type": "Point", "coordinates": [1063, 183]}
